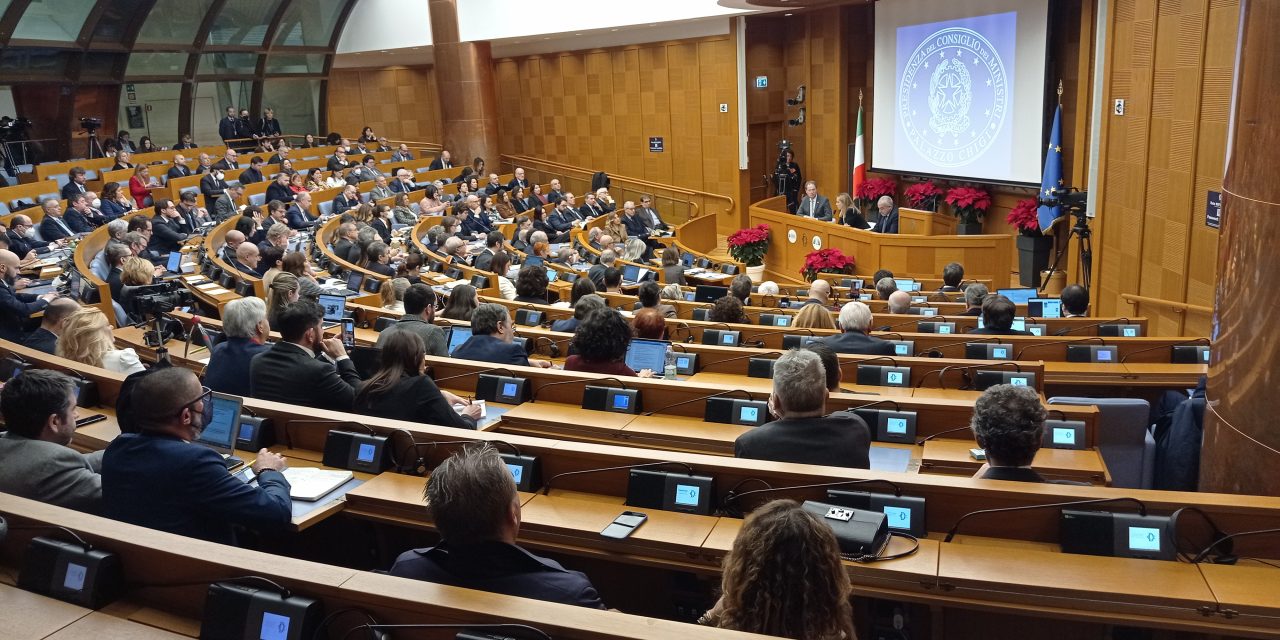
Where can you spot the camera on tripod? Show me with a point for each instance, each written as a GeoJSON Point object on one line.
{"type": "Point", "coordinates": [1071, 199]}
{"type": "Point", "coordinates": [90, 123]}
{"type": "Point", "coordinates": [155, 299]}
{"type": "Point", "coordinates": [14, 129]}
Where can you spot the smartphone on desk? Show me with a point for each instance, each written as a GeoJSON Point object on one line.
{"type": "Point", "coordinates": [88, 420]}
{"type": "Point", "coordinates": [623, 525]}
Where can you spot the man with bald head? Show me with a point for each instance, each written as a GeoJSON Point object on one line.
{"type": "Point", "coordinates": [16, 308]}
{"type": "Point", "coordinates": [819, 293]}
{"type": "Point", "coordinates": [899, 302]}
{"type": "Point", "coordinates": [234, 240]}
{"type": "Point", "coordinates": [22, 238]}
{"type": "Point", "coordinates": [247, 259]}
{"type": "Point", "coordinates": [45, 337]}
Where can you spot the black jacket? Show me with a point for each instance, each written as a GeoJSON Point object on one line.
{"type": "Point", "coordinates": [280, 192]}
{"type": "Point", "coordinates": [16, 310]}
{"type": "Point", "coordinates": [41, 340]}
{"type": "Point", "coordinates": [166, 235]}
{"type": "Point", "coordinates": [286, 373]}
{"type": "Point", "coordinates": [498, 567]}
{"type": "Point", "coordinates": [859, 343]}
{"type": "Point", "coordinates": [837, 440]}
{"type": "Point", "coordinates": [416, 399]}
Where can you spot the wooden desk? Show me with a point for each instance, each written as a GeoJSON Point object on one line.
{"type": "Point", "coordinates": [100, 626]}
{"type": "Point", "coordinates": [25, 615]}
{"type": "Point", "coordinates": [1247, 595]}
{"type": "Point", "coordinates": [396, 499]}
{"type": "Point", "coordinates": [952, 457]}
{"type": "Point", "coordinates": [565, 421]}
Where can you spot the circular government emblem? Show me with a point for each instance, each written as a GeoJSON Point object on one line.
{"type": "Point", "coordinates": [953, 97]}
{"type": "Point", "coordinates": [817, 243]}
{"type": "Point", "coordinates": [791, 236]}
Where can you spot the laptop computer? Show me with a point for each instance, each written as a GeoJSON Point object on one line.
{"type": "Point", "coordinates": [335, 307]}
{"type": "Point", "coordinates": [632, 274]}
{"type": "Point", "coordinates": [174, 266]}
{"type": "Point", "coordinates": [709, 293]}
{"type": "Point", "coordinates": [1018, 296]}
{"type": "Point", "coordinates": [647, 354]}
{"type": "Point", "coordinates": [458, 335]}
{"type": "Point", "coordinates": [220, 433]}
{"type": "Point", "coordinates": [1044, 308]}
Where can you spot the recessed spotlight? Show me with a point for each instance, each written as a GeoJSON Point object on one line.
{"type": "Point", "coordinates": [787, 15]}
{"type": "Point", "coordinates": [614, 29]}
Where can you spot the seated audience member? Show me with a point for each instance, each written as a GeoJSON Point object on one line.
{"type": "Point", "coordinates": [740, 288]}
{"type": "Point", "coordinates": [952, 275]}
{"type": "Point", "coordinates": [500, 265]}
{"type": "Point", "coordinates": [391, 295]}
{"type": "Point", "coordinates": [819, 293]}
{"type": "Point", "coordinates": [419, 319]}
{"type": "Point", "coordinates": [377, 258]}
{"type": "Point", "coordinates": [86, 338]}
{"type": "Point", "coordinates": [45, 337]}
{"type": "Point", "coordinates": [600, 345]}
{"type": "Point", "coordinates": [531, 284]}
{"type": "Point", "coordinates": [1008, 422]}
{"type": "Point", "coordinates": [247, 259]}
{"type": "Point", "coordinates": [813, 316]}
{"type": "Point", "coordinates": [803, 432]}
{"type": "Point", "coordinates": [39, 409]}
{"type": "Point", "coordinates": [582, 290]}
{"type": "Point", "coordinates": [290, 372]}
{"type": "Point", "coordinates": [400, 390]}
{"type": "Point", "coordinates": [134, 272]}
{"type": "Point", "coordinates": [855, 321]}
{"type": "Point", "coordinates": [974, 294]}
{"type": "Point", "coordinates": [608, 260]}
{"type": "Point", "coordinates": [1075, 301]}
{"type": "Point", "coordinates": [166, 229]}
{"type": "Point", "coordinates": [997, 318]}
{"type": "Point", "coordinates": [492, 245]}
{"type": "Point", "coordinates": [650, 297]}
{"type": "Point", "coordinates": [462, 302]}
{"type": "Point", "coordinates": [491, 339]}
{"type": "Point", "coordinates": [848, 213]}
{"type": "Point", "coordinates": [768, 288]}
{"type": "Point", "coordinates": [472, 500]}
{"type": "Point", "coordinates": [885, 288]}
{"type": "Point", "coordinates": [22, 238]}
{"type": "Point", "coordinates": [650, 324]}
{"type": "Point", "coordinates": [283, 291]}
{"type": "Point", "coordinates": [899, 302]}
{"type": "Point", "coordinates": [830, 364]}
{"type": "Point", "coordinates": [116, 257]}
{"type": "Point", "coordinates": [879, 275]}
{"type": "Point", "coordinates": [784, 577]}
{"type": "Point", "coordinates": [159, 478]}
{"type": "Point", "coordinates": [54, 226]}
{"type": "Point", "coordinates": [728, 309]}
{"type": "Point", "coordinates": [244, 323]}
{"type": "Point", "coordinates": [672, 268]}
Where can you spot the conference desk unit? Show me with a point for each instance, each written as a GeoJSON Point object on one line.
{"type": "Point", "coordinates": [985, 257]}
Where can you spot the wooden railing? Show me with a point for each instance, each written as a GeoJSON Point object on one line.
{"type": "Point", "coordinates": [1175, 307]}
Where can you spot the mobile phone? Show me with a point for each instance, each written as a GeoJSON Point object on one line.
{"type": "Point", "coordinates": [348, 332]}
{"type": "Point", "coordinates": [978, 454]}
{"type": "Point", "coordinates": [88, 420]}
{"type": "Point", "coordinates": [624, 524]}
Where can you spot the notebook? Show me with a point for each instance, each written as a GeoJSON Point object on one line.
{"type": "Point", "coordinates": [312, 483]}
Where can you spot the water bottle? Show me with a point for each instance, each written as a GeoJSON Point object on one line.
{"type": "Point", "coordinates": [669, 371]}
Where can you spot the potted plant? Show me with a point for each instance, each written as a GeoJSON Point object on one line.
{"type": "Point", "coordinates": [1033, 246]}
{"type": "Point", "coordinates": [870, 191]}
{"type": "Point", "coordinates": [826, 261]}
{"type": "Point", "coordinates": [748, 246]}
{"type": "Point", "coordinates": [968, 204]}
{"type": "Point", "coordinates": [923, 195]}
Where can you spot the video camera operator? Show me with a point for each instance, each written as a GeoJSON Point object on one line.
{"type": "Point", "coordinates": [787, 177]}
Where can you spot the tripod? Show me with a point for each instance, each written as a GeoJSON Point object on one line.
{"type": "Point", "coordinates": [95, 147]}
{"type": "Point", "coordinates": [1085, 248]}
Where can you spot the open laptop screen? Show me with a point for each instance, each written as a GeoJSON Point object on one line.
{"type": "Point", "coordinates": [354, 280]}
{"type": "Point", "coordinates": [647, 354]}
{"type": "Point", "coordinates": [1018, 296]}
{"type": "Point", "coordinates": [334, 307]}
{"type": "Point", "coordinates": [220, 433]}
{"type": "Point", "coordinates": [457, 336]}
{"type": "Point", "coordinates": [175, 262]}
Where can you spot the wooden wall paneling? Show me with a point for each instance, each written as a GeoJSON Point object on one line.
{"type": "Point", "coordinates": [398, 102]}
{"type": "Point", "coordinates": [795, 59]}
{"type": "Point", "coordinates": [859, 42]}
{"type": "Point", "coordinates": [603, 132]}
{"type": "Point", "coordinates": [715, 83]}
{"type": "Point", "coordinates": [654, 94]}
{"type": "Point", "coordinates": [577, 112]}
{"type": "Point", "coordinates": [506, 74]}
{"type": "Point", "coordinates": [765, 52]}
{"type": "Point", "coordinates": [825, 127]}
{"type": "Point", "coordinates": [628, 113]}
{"type": "Point", "coordinates": [564, 70]}
{"type": "Point", "coordinates": [685, 125]}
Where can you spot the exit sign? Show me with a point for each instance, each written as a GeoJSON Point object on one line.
{"type": "Point", "coordinates": [762, 82]}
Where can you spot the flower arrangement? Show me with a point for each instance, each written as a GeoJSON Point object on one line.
{"type": "Point", "coordinates": [872, 190]}
{"type": "Point", "coordinates": [748, 246]}
{"type": "Point", "coordinates": [826, 261]}
{"type": "Point", "coordinates": [968, 203]}
{"type": "Point", "coordinates": [1025, 217]}
{"type": "Point", "coordinates": [923, 195]}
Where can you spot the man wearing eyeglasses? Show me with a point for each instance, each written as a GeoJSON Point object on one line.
{"type": "Point", "coordinates": [160, 478]}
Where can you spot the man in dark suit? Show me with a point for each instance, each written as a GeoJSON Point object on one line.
{"type": "Point", "coordinates": [24, 245]}
{"type": "Point", "coordinates": [213, 185]}
{"type": "Point", "coordinates": [443, 161]}
{"type": "Point", "coordinates": [819, 293]}
{"type": "Point", "coordinates": [1075, 301]}
{"type": "Point", "coordinates": [518, 181]}
{"type": "Point", "coordinates": [254, 172]}
{"type": "Point", "coordinates": [279, 189]}
{"type": "Point", "coordinates": [230, 161]}
{"type": "Point", "coordinates": [166, 229]}
{"type": "Point", "coordinates": [855, 320]}
{"type": "Point", "coordinates": [348, 199]}
{"type": "Point", "coordinates": [53, 226]}
{"type": "Point", "coordinates": [45, 337]}
{"type": "Point", "coordinates": [366, 171]}
{"type": "Point", "coordinates": [291, 372]}
{"type": "Point", "coordinates": [490, 341]}
{"type": "Point", "coordinates": [179, 168]}
{"type": "Point", "coordinates": [555, 194]}
{"type": "Point", "coordinates": [952, 275]}
{"type": "Point", "coordinates": [1008, 423]}
{"type": "Point", "coordinates": [75, 183]}
{"type": "Point", "coordinates": [493, 186]}
{"type": "Point", "coordinates": [347, 234]}
{"type": "Point", "coordinates": [244, 322]}
{"type": "Point", "coordinates": [298, 215]}
{"type": "Point", "coordinates": [404, 182]}
{"type": "Point", "coordinates": [590, 208]}
{"type": "Point", "coordinates": [247, 258]}
{"type": "Point", "coordinates": [650, 215]}
{"type": "Point", "coordinates": [813, 205]}
{"type": "Point", "coordinates": [476, 509]}
{"type": "Point", "coordinates": [997, 318]}
{"type": "Point", "coordinates": [39, 410]}
{"type": "Point", "coordinates": [228, 126]}
{"type": "Point", "coordinates": [636, 228]}
{"type": "Point", "coordinates": [159, 478]}
{"type": "Point", "coordinates": [81, 216]}
{"type": "Point", "coordinates": [492, 245]}
{"type": "Point", "coordinates": [338, 161]}
{"type": "Point", "coordinates": [802, 432]}
{"type": "Point", "coordinates": [403, 154]}
{"type": "Point", "coordinates": [888, 215]}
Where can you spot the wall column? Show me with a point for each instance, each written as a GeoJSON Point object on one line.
{"type": "Point", "coordinates": [464, 78]}
{"type": "Point", "coordinates": [1241, 434]}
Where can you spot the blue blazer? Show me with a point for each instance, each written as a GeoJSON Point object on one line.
{"type": "Point", "coordinates": [50, 230]}
{"type": "Point", "coordinates": [228, 370]}
{"type": "Point", "coordinates": [164, 483]}
{"type": "Point", "coordinates": [635, 226]}
{"type": "Point", "coordinates": [15, 311]}
{"type": "Point", "coordinates": [296, 218]}
{"type": "Point", "coordinates": [491, 349]}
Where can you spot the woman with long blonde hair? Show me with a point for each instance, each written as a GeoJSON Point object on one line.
{"type": "Point", "coordinates": [283, 290]}
{"type": "Point", "coordinates": [86, 338]}
{"type": "Point", "coordinates": [783, 577]}
{"type": "Point", "coordinates": [813, 316]}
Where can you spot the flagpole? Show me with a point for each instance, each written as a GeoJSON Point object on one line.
{"type": "Point", "coordinates": [1059, 93]}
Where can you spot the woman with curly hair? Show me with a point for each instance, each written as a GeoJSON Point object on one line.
{"type": "Point", "coordinates": [531, 284]}
{"type": "Point", "coordinates": [728, 309]}
{"type": "Point", "coordinates": [600, 345]}
{"type": "Point", "coordinates": [783, 577]}
{"type": "Point", "coordinates": [813, 316]}
{"type": "Point", "coordinates": [86, 338]}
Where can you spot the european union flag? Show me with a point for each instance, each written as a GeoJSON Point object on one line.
{"type": "Point", "coordinates": [1052, 178]}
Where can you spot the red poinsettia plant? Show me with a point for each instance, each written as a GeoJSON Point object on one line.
{"type": "Point", "coordinates": [968, 203]}
{"type": "Point", "coordinates": [826, 261]}
{"type": "Point", "coordinates": [1025, 216]}
{"type": "Point", "coordinates": [872, 190]}
{"type": "Point", "coordinates": [749, 245]}
{"type": "Point", "coordinates": [923, 195]}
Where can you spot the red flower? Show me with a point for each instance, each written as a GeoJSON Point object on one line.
{"type": "Point", "coordinates": [748, 246]}
{"type": "Point", "coordinates": [826, 261]}
{"type": "Point", "coordinates": [752, 235]}
{"type": "Point", "coordinates": [1025, 216]}
{"type": "Point", "coordinates": [873, 189]}
{"type": "Point", "coordinates": [968, 203]}
{"type": "Point", "coordinates": [923, 195]}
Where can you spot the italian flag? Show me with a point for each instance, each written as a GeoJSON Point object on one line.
{"type": "Point", "coordinates": [859, 158]}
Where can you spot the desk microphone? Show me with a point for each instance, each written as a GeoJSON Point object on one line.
{"type": "Point", "coordinates": [936, 352]}
{"type": "Point", "coordinates": [1204, 341]}
{"type": "Point", "coordinates": [736, 358]}
{"type": "Point", "coordinates": [921, 441]}
{"type": "Point", "coordinates": [914, 320]}
{"type": "Point", "coordinates": [706, 397]}
{"type": "Point", "coordinates": [872, 404]}
{"type": "Point", "coordinates": [688, 332]}
{"type": "Point", "coordinates": [552, 343]}
{"type": "Point", "coordinates": [1069, 330]}
{"type": "Point", "coordinates": [731, 497]}
{"type": "Point", "coordinates": [1199, 557]}
{"type": "Point", "coordinates": [942, 373]}
{"type": "Point", "coordinates": [1142, 510]}
{"type": "Point", "coordinates": [861, 362]}
{"type": "Point", "coordinates": [759, 344]}
{"type": "Point", "coordinates": [1023, 350]}
{"type": "Point", "coordinates": [546, 486]}
{"type": "Point", "coordinates": [476, 373]}
{"type": "Point", "coordinates": [584, 381]}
